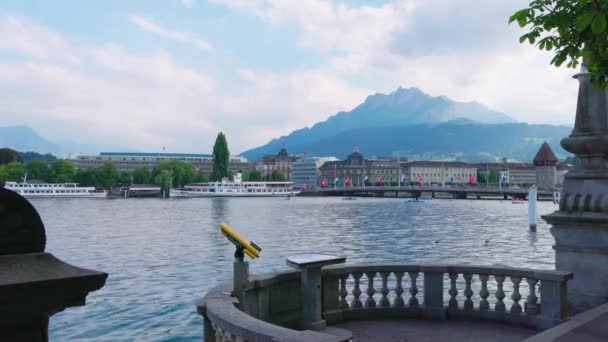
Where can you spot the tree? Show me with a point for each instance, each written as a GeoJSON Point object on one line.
{"type": "Point", "coordinates": [37, 169]}
{"type": "Point", "coordinates": [255, 176]}
{"type": "Point", "coordinates": [3, 174]}
{"type": "Point", "coordinates": [124, 178]}
{"type": "Point", "coordinates": [141, 175]}
{"type": "Point", "coordinates": [200, 177]}
{"type": "Point", "coordinates": [27, 157]}
{"type": "Point", "coordinates": [7, 155]}
{"type": "Point", "coordinates": [61, 171]}
{"type": "Point", "coordinates": [221, 158]}
{"type": "Point", "coordinates": [106, 176]}
{"type": "Point", "coordinates": [277, 176]}
{"type": "Point", "coordinates": [181, 172]}
{"type": "Point", "coordinates": [164, 180]}
{"type": "Point", "coordinates": [86, 177]}
{"type": "Point", "coordinates": [15, 171]}
{"type": "Point", "coordinates": [574, 30]}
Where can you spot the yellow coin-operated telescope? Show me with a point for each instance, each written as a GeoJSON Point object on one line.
{"type": "Point", "coordinates": [242, 246]}
{"type": "Point", "coordinates": [240, 277]}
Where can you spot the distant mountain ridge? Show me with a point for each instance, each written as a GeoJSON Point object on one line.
{"type": "Point", "coordinates": [24, 138]}
{"type": "Point", "coordinates": [384, 124]}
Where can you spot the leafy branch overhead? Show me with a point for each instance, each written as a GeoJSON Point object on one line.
{"type": "Point", "coordinates": [574, 29]}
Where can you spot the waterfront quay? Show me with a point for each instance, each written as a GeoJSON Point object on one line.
{"type": "Point", "coordinates": [457, 192]}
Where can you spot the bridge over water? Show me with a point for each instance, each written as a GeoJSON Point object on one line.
{"type": "Point", "coordinates": [461, 192]}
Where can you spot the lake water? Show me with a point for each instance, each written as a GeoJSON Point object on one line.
{"type": "Point", "coordinates": [162, 255]}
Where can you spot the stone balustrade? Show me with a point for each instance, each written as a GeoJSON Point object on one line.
{"type": "Point", "coordinates": [272, 306]}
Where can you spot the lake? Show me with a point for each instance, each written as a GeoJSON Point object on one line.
{"type": "Point", "coordinates": [162, 255]}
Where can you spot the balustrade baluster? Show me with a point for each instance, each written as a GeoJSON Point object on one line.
{"type": "Point", "coordinates": [356, 302]}
{"type": "Point", "coordinates": [484, 293]}
{"type": "Point", "coordinates": [516, 307]}
{"type": "Point", "coordinates": [468, 292]}
{"type": "Point", "coordinates": [384, 302]}
{"type": "Point", "coordinates": [500, 294]}
{"type": "Point", "coordinates": [370, 302]}
{"type": "Point", "coordinates": [399, 303]}
{"type": "Point", "coordinates": [453, 304]}
{"type": "Point", "coordinates": [413, 289]}
{"type": "Point", "coordinates": [532, 300]}
{"type": "Point", "coordinates": [342, 303]}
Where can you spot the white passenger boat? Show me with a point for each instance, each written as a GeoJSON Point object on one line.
{"type": "Point", "coordinates": [45, 190]}
{"type": "Point", "coordinates": [236, 188]}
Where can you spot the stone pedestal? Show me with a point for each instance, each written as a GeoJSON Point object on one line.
{"type": "Point", "coordinates": [311, 265]}
{"type": "Point", "coordinates": [33, 284]}
{"type": "Point", "coordinates": [580, 226]}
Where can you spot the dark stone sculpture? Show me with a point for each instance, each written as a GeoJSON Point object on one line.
{"type": "Point", "coordinates": [34, 285]}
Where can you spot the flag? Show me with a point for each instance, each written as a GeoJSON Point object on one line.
{"type": "Point", "coordinates": [336, 181]}
{"type": "Point", "coordinates": [347, 180]}
{"type": "Point", "coordinates": [451, 179]}
{"type": "Point", "coordinates": [503, 179]}
{"type": "Point", "coordinates": [403, 179]}
{"type": "Point", "coordinates": [419, 179]}
{"type": "Point", "coordinates": [304, 186]}
{"type": "Point", "coordinates": [366, 180]}
{"type": "Point", "coordinates": [379, 180]}
{"type": "Point", "coordinates": [332, 173]}
{"type": "Point", "coordinates": [471, 180]}
{"type": "Point", "coordinates": [323, 182]}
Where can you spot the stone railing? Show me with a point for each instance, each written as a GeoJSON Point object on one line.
{"type": "Point", "coordinates": [446, 292]}
{"type": "Point", "coordinates": [272, 309]}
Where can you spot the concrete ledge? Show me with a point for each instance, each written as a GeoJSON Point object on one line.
{"type": "Point", "coordinates": [589, 326]}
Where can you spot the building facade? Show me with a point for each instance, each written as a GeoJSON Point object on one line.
{"type": "Point", "coordinates": [510, 173]}
{"type": "Point", "coordinates": [439, 172]}
{"type": "Point", "coordinates": [129, 161]}
{"type": "Point", "coordinates": [545, 163]}
{"type": "Point", "coordinates": [277, 162]}
{"type": "Point", "coordinates": [355, 168]}
{"type": "Point", "coordinates": [306, 170]}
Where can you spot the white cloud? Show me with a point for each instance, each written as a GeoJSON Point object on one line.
{"type": "Point", "coordinates": [151, 26]}
{"type": "Point", "coordinates": [187, 3]}
{"type": "Point", "coordinates": [460, 48]}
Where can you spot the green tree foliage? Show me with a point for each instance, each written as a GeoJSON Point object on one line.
{"type": "Point", "coordinates": [3, 174]}
{"type": "Point", "coordinates": [106, 176]}
{"type": "Point", "coordinates": [86, 177]}
{"type": "Point", "coordinates": [181, 172]}
{"type": "Point", "coordinates": [574, 30]}
{"type": "Point", "coordinates": [7, 155]}
{"type": "Point", "coordinates": [200, 177]}
{"type": "Point", "coordinates": [221, 158]}
{"type": "Point", "coordinates": [164, 179]}
{"type": "Point", "coordinates": [141, 175]}
{"type": "Point", "coordinates": [124, 178]}
{"type": "Point", "coordinates": [37, 169]}
{"type": "Point", "coordinates": [494, 177]}
{"type": "Point", "coordinates": [61, 171]}
{"type": "Point", "coordinates": [277, 176]}
{"type": "Point", "coordinates": [15, 171]}
{"type": "Point", "coordinates": [254, 176]}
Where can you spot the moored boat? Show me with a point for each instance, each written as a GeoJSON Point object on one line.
{"type": "Point", "coordinates": [48, 190]}
{"type": "Point", "coordinates": [236, 188]}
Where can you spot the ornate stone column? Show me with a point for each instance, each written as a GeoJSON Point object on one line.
{"type": "Point", "coordinates": [580, 226]}
{"type": "Point", "coordinates": [34, 285]}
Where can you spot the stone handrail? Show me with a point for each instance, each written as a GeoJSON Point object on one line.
{"type": "Point", "coordinates": [272, 304]}
{"type": "Point", "coordinates": [446, 292]}
{"type": "Point", "coordinates": [225, 322]}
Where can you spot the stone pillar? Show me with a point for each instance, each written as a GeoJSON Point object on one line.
{"type": "Point", "coordinates": [580, 226]}
{"type": "Point", "coordinates": [34, 285]}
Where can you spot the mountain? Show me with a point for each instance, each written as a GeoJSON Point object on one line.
{"type": "Point", "coordinates": [413, 124]}
{"type": "Point", "coordinates": [24, 138]}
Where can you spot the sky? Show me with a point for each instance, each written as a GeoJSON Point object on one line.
{"type": "Point", "coordinates": [143, 74]}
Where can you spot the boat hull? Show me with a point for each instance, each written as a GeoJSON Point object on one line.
{"type": "Point", "coordinates": [93, 195]}
{"type": "Point", "coordinates": [191, 194]}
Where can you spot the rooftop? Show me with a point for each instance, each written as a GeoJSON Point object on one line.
{"type": "Point", "coordinates": [545, 154]}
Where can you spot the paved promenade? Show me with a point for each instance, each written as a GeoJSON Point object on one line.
{"type": "Point", "coordinates": [428, 331]}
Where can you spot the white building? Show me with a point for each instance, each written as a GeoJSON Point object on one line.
{"type": "Point", "coordinates": [307, 170]}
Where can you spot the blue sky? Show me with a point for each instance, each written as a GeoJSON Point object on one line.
{"type": "Point", "coordinates": [146, 74]}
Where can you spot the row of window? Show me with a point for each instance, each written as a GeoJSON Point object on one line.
{"type": "Point", "coordinates": [52, 192]}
